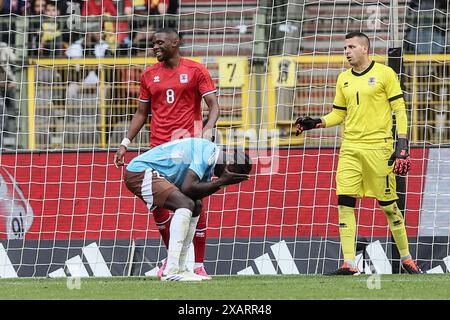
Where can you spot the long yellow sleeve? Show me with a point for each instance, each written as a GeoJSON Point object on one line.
{"type": "Point", "coordinates": [400, 116]}
{"type": "Point", "coordinates": [335, 117]}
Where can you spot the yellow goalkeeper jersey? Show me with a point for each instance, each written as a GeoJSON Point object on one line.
{"type": "Point", "coordinates": [364, 103]}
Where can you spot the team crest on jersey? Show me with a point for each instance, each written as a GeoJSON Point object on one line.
{"type": "Point", "coordinates": [183, 78]}
{"type": "Point", "coordinates": [156, 79]}
{"type": "Point", "coordinates": [372, 81]}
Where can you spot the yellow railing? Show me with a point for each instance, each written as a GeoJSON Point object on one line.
{"type": "Point", "coordinates": [85, 103]}
{"type": "Point", "coordinates": [80, 103]}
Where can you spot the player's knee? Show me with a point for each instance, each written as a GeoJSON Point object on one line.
{"type": "Point", "coordinates": [177, 200]}
{"type": "Point", "coordinates": [347, 201]}
{"type": "Point", "coordinates": [197, 208]}
{"type": "Point", "coordinates": [187, 203]}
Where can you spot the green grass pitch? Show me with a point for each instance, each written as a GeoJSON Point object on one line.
{"type": "Point", "coordinates": [281, 287]}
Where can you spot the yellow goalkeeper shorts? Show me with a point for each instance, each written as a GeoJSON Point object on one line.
{"type": "Point", "coordinates": [366, 173]}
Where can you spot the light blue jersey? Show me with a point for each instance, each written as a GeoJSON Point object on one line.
{"type": "Point", "coordinates": [174, 158]}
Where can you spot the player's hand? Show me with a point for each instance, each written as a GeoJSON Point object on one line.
{"type": "Point", "coordinates": [307, 123]}
{"type": "Point", "coordinates": [119, 156]}
{"type": "Point", "coordinates": [229, 177]}
{"type": "Point", "coordinates": [401, 158]}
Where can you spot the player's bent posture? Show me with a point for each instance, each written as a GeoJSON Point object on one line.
{"type": "Point", "coordinates": [177, 175]}
{"type": "Point", "coordinates": [171, 92]}
{"type": "Point", "coordinates": [366, 96]}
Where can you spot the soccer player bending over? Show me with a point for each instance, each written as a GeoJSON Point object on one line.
{"type": "Point", "coordinates": [365, 97]}
{"type": "Point", "coordinates": [176, 175]}
{"type": "Point", "coordinates": [171, 93]}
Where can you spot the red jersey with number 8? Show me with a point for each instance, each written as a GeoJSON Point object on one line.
{"type": "Point", "coordinates": [175, 97]}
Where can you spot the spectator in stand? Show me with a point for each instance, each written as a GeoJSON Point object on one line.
{"type": "Point", "coordinates": [173, 7]}
{"type": "Point", "coordinates": [12, 7]}
{"type": "Point", "coordinates": [51, 42]}
{"type": "Point", "coordinates": [36, 8]}
{"type": "Point", "coordinates": [35, 15]}
{"type": "Point", "coordinates": [98, 7]}
{"type": "Point", "coordinates": [142, 30]}
{"type": "Point", "coordinates": [70, 13]}
{"type": "Point", "coordinates": [84, 90]}
{"type": "Point", "coordinates": [44, 34]}
{"type": "Point", "coordinates": [68, 7]}
{"type": "Point", "coordinates": [91, 46]}
{"type": "Point", "coordinates": [116, 33]}
{"type": "Point", "coordinates": [149, 7]}
{"type": "Point", "coordinates": [7, 7]}
{"type": "Point", "coordinates": [146, 7]}
{"type": "Point", "coordinates": [8, 110]}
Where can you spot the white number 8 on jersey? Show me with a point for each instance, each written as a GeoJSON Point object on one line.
{"type": "Point", "coordinates": [170, 96]}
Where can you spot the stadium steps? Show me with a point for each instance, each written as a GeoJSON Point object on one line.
{"type": "Point", "coordinates": [215, 30]}
{"type": "Point", "coordinates": [326, 23]}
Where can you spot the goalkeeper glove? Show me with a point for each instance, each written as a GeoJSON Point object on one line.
{"type": "Point", "coordinates": [307, 123]}
{"type": "Point", "coordinates": [401, 158]}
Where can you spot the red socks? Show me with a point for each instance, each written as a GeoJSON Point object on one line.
{"type": "Point", "coordinates": [162, 219]}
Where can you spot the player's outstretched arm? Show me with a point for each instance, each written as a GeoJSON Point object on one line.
{"type": "Point", "coordinates": [196, 189]}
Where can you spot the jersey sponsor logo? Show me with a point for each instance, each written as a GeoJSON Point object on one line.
{"type": "Point", "coordinates": [156, 79]}
{"type": "Point", "coordinates": [387, 192]}
{"type": "Point", "coordinates": [183, 78]}
{"type": "Point", "coordinates": [372, 81]}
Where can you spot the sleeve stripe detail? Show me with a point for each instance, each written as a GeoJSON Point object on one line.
{"type": "Point", "coordinates": [396, 97]}
{"type": "Point", "coordinates": [205, 94]}
{"type": "Point", "coordinates": [340, 108]}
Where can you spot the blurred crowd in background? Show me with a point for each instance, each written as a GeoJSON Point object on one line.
{"type": "Point", "coordinates": [84, 28]}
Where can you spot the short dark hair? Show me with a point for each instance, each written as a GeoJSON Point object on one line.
{"type": "Point", "coordinates": [50, 3]}
{"type": "Point", "coordinates": [241, 162]}
{"type": "Point", "coordinates": [358, 35]}
{"type": "Point", "coordinates": [168, 30]}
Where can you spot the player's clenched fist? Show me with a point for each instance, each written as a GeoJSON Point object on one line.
{"type": "Point", "coordinates": [401, 158]}
{"type": "Point", "coordinates": [307, 123]}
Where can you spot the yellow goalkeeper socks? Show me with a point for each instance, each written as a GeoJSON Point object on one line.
{"type": "Point", "coordinates": [397, 226]}
{"type": "Point", "coordinates": [347, 231]}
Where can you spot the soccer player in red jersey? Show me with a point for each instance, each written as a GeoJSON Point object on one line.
{"type": "Point", "coordinates": [171, 94]}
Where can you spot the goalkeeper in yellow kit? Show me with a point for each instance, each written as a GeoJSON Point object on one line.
{"type": "Point", "coordinates": [366, 96]}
